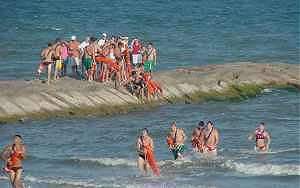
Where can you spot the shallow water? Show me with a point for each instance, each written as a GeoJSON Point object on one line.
{"type": "Point", "coordinates": [99, 152]}
{"type": "Point", "coordinates": [186, 33]}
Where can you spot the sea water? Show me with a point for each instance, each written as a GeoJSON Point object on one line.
{"type": "Point", "coordinates": [100, 151]}
{"type": "Point", "coordinates": [186, 33]}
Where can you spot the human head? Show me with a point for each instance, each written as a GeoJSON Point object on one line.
{"type": "Point", "coordinates": [197, 132]}
{"type": "Point", "coordinates": [93, 39]}
{"type": "Point", "coordinates": [104, 35]}
{"type": "Point", "coordinates": [201, 125]}
{"type": "Point", "coordinates": [17, 138]}
{"type": "Point", "coordinates": [173, 126]}
{"type": "Point", "coordinates": [112, 45]}
{"type": "Point", "coordinates": [261, 126]}
{"type": "Point", "coordinates": [210, 125]}
{"type": "Point", "coordinates": [120, 44]}
{"type": "Point", "coordinates": [145, 132]}
{"type": "Point", "coordinates": [57, 40]}
{"type": "Point", "coordinates": [150, 45]}
{"type": "Point", "coordinates": [73, 37]}
{"type": "Point", "coordinates": [49, 44]}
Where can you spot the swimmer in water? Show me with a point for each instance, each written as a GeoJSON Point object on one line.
{"type": "Point", "coordinates": [262, 138]}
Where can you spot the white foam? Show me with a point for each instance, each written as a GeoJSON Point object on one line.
{"type": "Point", "coordinates": [166, 185]}
{"type": "Point", "coordinates": [3, 178]}
{"type": "Point", "coordinates": [51, 28]}
{"type": "Point", "coordinates": [245, 151]}
{"type": "Point", "coordinates": [267, 90]}
{"type": "Point", "coordinates": [67, 182]}
{"type": "Point", "coordinates": [130, 162]}
{"type": "Point", "coordinates": [108, 161]}
{"type": "Point", "coordinates": [56, 28]}
{"type": "Point", "coordinates": [263, 169]}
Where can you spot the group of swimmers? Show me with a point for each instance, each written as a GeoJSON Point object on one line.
{"type": "Point", "coordinates": [205, 140]}
{"type": "Point", "coordinates": [104, 59]}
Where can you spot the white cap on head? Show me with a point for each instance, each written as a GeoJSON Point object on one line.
{"type": "Point", "coordinates": [73, 37]}
{"type": "Point", "coordinates": [104, 34]}
{"type": "Point", "coordinates": [124, 38]}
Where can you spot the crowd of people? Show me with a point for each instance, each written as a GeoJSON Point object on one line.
{"type": "Point", "coordinates": [204, 140]}
{"type": "Point", "coordinates": [104, 59]}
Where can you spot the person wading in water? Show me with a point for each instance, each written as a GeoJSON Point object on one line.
{"type": "Point", "coordinates": [13, 155]}
{"type": "Point", "coordinates": [175, 141]}
{"type": "Point", "coordinates": [262, 138]}
{"type": "Point", "coordinates": [211, 140]}
{"type": "Point", "coordinates": [145, 151]}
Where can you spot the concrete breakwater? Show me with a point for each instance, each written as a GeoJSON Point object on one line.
{"type": "Point", "coordinates": [20, 100]}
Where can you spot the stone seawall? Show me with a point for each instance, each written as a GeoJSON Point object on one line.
{"type": "Point", "coordinates": [20, 100]}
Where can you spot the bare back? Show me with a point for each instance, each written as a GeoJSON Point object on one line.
{"type": "Point", "coordinates": [47, 54]}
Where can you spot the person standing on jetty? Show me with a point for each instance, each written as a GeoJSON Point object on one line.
{"type": "Point", "coordinates": [151, 58]}
{"type": "Point", "coordinates": [13, 155]}
{"type": "Point", "coordinates": [47, 56]}
{"type": "Point", "coordinates": [145, 150]}
{"type": "Point", "coordinates": [211, 140]}
{"type": "Point", "coordinates": [74, 53]}
{"type": "Point", "coordinates": [262, 138]}
{"type": "Point", "coordinates": [64, 55]}
{"type": "Point", "coordinates": [88, 59]}
{"type": "Point", "coordinates": [175, 141]}
{"type": "Point", "coordinates": [57, 47]}
{"type": "Point", "coordinates": [136, 50]}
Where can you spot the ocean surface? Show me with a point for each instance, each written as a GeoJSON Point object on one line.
{"type": "Point", "coordinates": [186, 33]}
{"type": "Point", "coordinates": [97, 152]}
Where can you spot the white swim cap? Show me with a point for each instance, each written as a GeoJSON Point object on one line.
{"type": "Point", "coordinates": [104, 34]}
{"type": "Point", "coordinates": [73, 37]}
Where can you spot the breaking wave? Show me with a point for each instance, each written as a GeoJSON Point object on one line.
{"type": "Point", "coordinates": [257, 169]}
{"type": "Point", "coordinates": [107, 161]}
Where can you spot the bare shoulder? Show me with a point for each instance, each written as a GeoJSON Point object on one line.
{"type": "Point", "coordinates": [150, 139]}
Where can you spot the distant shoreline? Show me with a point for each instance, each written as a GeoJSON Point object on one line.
{"type": "Point", "coordinates": [21, 100]}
